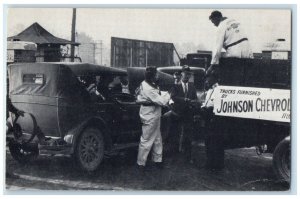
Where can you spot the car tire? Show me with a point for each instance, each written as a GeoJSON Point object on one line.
{"type": "Point", "coordinates": [282, 160]}
{"type": "Point", "coordinates": [22, 153]}
{"type": "Point", "coordinates": [89, 151]}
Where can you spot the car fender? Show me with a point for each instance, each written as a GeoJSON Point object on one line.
{"type": "Point", "coordinates": [97, 122]}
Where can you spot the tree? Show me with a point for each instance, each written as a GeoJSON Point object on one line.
{"type": "Point", "coordinates": [86, 49]}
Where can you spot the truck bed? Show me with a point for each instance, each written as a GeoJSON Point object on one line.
{"type": "Point", "coordinates": [262, 73]}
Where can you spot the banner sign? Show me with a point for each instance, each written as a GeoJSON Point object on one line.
{"type": "Point", "coordinates": [255, 103]}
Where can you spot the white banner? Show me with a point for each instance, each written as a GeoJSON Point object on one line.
{"type": "Point", "coordinates": [255, 103]}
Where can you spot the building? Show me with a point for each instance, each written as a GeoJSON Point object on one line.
{"type": "Point", "coordinates": [48, 46]}
{"type": "Point", "coordinates": [20, 51]}
{"type": "Point", "coordinates": [139, 53]}
{"type": "Point", "coordinates": [279, 49]}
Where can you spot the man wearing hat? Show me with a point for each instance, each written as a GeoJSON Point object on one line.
{"type": "Point", "coordinates": [182, 94]}
{"type": "Point", "coordinates": [152, 99]}
{"type": "Point", "coordinates": [231, 37]}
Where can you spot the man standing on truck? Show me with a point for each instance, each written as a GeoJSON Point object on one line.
{"type": "Point", "coordinates": [231, 37]}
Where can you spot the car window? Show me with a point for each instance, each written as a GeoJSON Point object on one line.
{"type": "Point", "coordinates": [107, 87]}
{"type": "Point", "coordinates": [33, 78]}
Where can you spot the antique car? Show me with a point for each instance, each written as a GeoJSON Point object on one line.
{"type": "Point", "coordinates": [63, 116]}
{"type": "Point", "coordinates": [75, 109]}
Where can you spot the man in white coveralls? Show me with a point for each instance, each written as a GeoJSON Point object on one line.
{"type": "Point", "coordinates": [150, 114]}
{"type": "Point", "coordinates": [231, 37]}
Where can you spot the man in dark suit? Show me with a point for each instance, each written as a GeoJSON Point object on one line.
{"type": "Point", "coordinates": [182, 94]}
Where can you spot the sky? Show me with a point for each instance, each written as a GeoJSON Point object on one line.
{"type": "Point", "coordinates": [188, 29]}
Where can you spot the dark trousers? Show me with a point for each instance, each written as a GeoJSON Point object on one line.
{"type": "Point", "coordinates": [186, 136]}
{"type": "Point", "coordinates": [214, 143]}
{"type": "Point", "coordinates": [170, 131]}
{"type": "Point", "coordinates": [179, 132]}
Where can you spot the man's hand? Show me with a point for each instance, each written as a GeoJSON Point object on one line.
{"type": "Point", "coordinates": [187, 100]}
{"type": "Point", "coordinates": [171, 102]}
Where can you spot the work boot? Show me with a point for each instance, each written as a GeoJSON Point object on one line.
{"type": "Point", "coordinates": [140, 169]}
{"type": "Point", "coordinates": [159, 165]}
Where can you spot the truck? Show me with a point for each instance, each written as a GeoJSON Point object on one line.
{"type": "Point", "coordinates": [199, 59]}
{"type": "Point", "coordinates": [252, 107]}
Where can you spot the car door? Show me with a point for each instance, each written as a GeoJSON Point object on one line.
{"type": "Point", "coordinates": [127, 123]}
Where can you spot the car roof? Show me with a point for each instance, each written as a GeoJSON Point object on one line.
{"type": "Point", "coordinates": [82, 69]}
{"type": "Point", "coordinates": [93, 69]}
{"type": "Point", "coordinates": [172, 69]}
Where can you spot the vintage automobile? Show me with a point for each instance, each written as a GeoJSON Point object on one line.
{"type": "Point", "coordinates": [61, 116]}
{"type": "Point", "coordinates": [252, 108]}
{"type": "Point", "coordinates": [65, 114]}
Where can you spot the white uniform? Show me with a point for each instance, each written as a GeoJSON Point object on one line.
{"type": "Point", "coordinates": [150, 117]}
{"type": "Point", "coordinates": [230, 31]}
{"type": "Point", "coordinates": [210, 97]}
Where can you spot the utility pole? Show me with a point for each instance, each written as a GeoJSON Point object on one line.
{"type": "Point", "coordinates": [101, 48]}
{"type": "Point", "coordinates": [94, 52]}
{"type": "Point", "coordinates": [73, 34]}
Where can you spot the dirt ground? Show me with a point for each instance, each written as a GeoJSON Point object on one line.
{"type": "Point", "coordinates": [244, 171]}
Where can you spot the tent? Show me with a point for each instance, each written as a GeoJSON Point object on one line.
{"type": "Point", "coordinates": [39, 35]}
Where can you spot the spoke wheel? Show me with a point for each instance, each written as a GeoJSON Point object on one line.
{"type": "Point", "coordinates": [90, 149]}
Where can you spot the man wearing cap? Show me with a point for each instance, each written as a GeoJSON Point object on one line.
{"type": "Point", "coordinates": [182, 94]}
{"type": "Point", "coordinates": [231, 37]}
{"type": "Point", "coordinates": [152, 99]}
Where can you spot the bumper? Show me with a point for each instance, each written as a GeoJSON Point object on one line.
{"type": "Point", "coordinates": [50, 146]}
